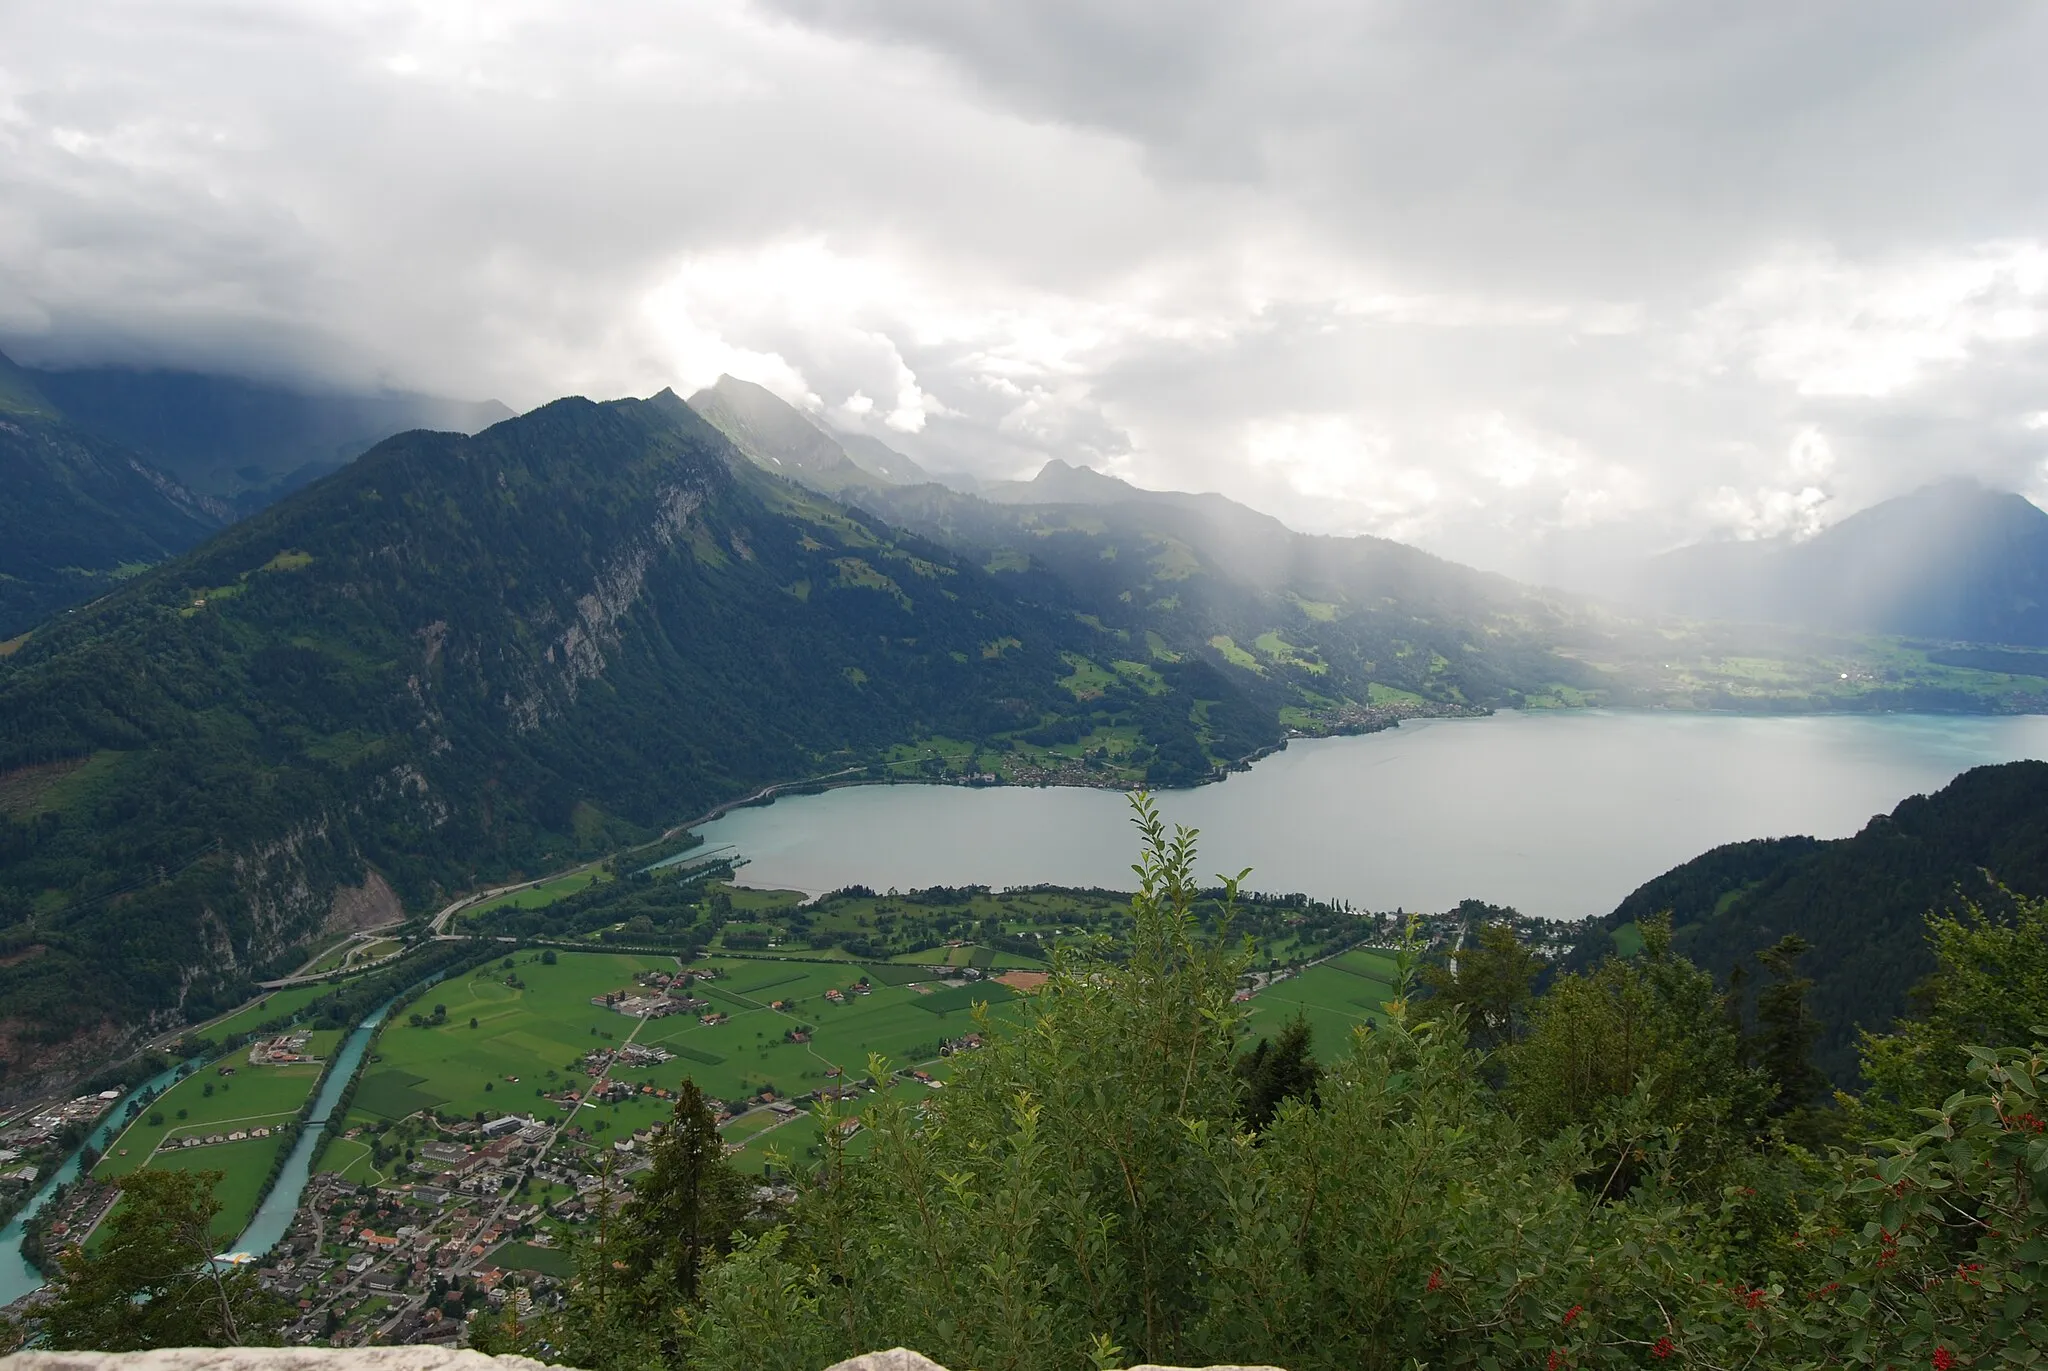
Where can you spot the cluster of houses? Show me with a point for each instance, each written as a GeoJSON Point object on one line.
{"type": "Point", "coordinates": [659, 994]}
{"type": "Point", "coordinates": [210, 1139]}
{"type": "Point", "coordinates": [643, 1006]}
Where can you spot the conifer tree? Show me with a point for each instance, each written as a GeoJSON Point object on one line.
{"type": "Point", "coordinates": [1786, 1029]}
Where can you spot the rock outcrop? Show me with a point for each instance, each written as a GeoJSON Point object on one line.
{"type": "Point", "coordinates": [389, 1359]}
{"type": "Point", "coordinates": [424, 1358]}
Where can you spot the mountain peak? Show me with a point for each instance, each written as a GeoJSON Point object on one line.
{"type": "Point", "coordinates": [776, 435]}
{"type": "Point", "coordinates": [1955, 560]}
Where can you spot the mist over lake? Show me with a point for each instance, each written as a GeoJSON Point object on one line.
{"type": "Point", "coordinates": [1557, 813]}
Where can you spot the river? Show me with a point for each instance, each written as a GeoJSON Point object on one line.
{"type": "Point", "coordinates": [272, 1218]}
{"type": "Point", "coordinates": [1558, 813]}
{"type": "Point", "coordinates": [17, 1277]}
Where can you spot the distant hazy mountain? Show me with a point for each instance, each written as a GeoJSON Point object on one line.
{"type": "Point", "coordinates": [1951, 561]}
{"type": "Point", "coordinates": [783, 439]}
{"type": "Point", "coordinates": [239, 440]}
{"type": "Point", "coordinates": [77, 512]}
{"type": "Point", "coordinates": [879, 459]}
{"type": "Point", "coordinates": [1059, 483]}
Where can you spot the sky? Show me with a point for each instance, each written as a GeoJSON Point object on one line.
{"type": "Point", "coordinates": [1540, 286]}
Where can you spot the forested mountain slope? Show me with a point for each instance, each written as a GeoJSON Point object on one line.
{"type": "Point", "coordinates": [77, 511]}
{"type": "Point", "coordinates": [1861, 900]}
{"type": "Point", "coordinates": [464, 656]}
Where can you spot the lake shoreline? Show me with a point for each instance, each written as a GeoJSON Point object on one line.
{"type": "Point", "coordinates": [1556, 812]}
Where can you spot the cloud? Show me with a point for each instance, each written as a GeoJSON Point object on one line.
{"type": "Point", "coordinates": [1538, 287]}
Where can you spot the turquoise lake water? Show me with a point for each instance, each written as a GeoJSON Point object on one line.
{"type": "Point", "coordinates": [1558, 813]}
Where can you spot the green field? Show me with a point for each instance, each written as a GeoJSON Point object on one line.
{"type": "Point", "coordinates": [537, 1033]}
{"type": "Point", "coordinates": [522, 1256]}
{"type": "Point", "coordinates": [351, 1159]}
{"type": "Point", "coordinates": [254, 1095]}
{"type": "Point", "coordinates": [527, 1034]}
{"type": "Point", "coordinates": [546, 893]}
{"type": "Point", "coordinates": [898, 1021]}
{"type": "Point", "coordinates": [243, 1167]}
{"type": "Point", "coordinates": [1335, 997]}
{"type": "Point", "coordinates": [277, 1002]}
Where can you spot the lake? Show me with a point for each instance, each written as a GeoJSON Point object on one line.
{"type": "Point", "coordinates": [1558, 813]}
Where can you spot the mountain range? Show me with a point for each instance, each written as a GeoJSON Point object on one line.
{"type": "Point", "coordinates": [105, 471]}
{"type": "Point", "coordinates": [1953, 561]}
{"type": "Point", "coordinates": [462, 657]}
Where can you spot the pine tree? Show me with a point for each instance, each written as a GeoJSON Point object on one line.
{"type": "Point", "coordinates": [1278, 1070]}
{"type": "Point", "coordinates": [689, 1203]}
{"type": "Point", "coordinates": [1786, 1029]}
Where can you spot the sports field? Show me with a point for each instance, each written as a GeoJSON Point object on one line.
{"type": "Point", "coordinates": [523, 1256]}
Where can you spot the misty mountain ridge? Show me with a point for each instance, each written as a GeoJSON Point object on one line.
{"type": "Point", "coordinates": [105, 470]}
{"type": "Point", "coordinates": [246, 442]}
{"type": "Point", "coordinates": [77, 512]}
{"type": "Point", "coordinates": [781, 438]}
{"type": "Point", "coordinates": [1953, 561]}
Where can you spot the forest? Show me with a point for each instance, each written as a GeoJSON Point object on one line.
{"type": "Point", "coordinates": [1979, 842]}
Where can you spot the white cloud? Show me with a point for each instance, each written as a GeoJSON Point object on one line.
{"type": "Point", "coordinates": [1513, 285]}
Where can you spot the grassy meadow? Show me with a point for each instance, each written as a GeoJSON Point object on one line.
{"type": "Point", "coordinates": [277, 1002]}
{"type": "Point", "coordinates": [207, 1102]}
{"type": "Point", "coordinates": [1335, 997]}
{"type": "Point", "coordinates": [528, 1039]}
